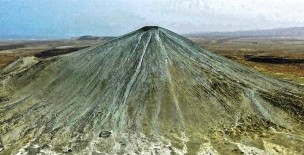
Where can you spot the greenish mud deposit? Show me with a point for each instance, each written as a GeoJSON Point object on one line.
{"type": "Point", "coordinates": [148, 92]}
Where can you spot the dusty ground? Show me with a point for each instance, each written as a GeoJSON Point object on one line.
{"type": "Point", "coordinates": [11, 51]}
{"type": "Point", "coordinates": [278, 57]}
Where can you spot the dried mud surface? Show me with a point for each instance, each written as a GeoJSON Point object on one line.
{"type": "Point", "coordinates": [151, 91]}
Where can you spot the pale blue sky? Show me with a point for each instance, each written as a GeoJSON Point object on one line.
{"type": "Point", "coordinates": [66, 18]}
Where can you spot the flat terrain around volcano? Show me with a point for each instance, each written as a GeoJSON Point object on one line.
{"type": "Point", "coordinates": [237, 49]}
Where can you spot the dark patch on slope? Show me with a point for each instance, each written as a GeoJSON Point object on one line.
{"type": "Point", "coordinates": [31, 73]}
{"type": "Point", "coordinates": [293, 104]}
{"type": "Point", "coordinates": [250, 125]}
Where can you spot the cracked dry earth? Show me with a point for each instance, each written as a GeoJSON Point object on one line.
{"type": "Point", "coordinates": [150, 91]}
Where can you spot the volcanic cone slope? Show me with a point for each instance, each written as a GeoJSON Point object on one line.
{"type": "Point", "coordinates": [149, 91]}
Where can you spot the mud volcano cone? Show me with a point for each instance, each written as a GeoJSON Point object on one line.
{"type": "Point", "coordinates": [149, 91]}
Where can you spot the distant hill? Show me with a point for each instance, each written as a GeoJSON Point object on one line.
{"type": "Point", "coordinates": [88, 37]}
{"type": "Point", "coordinates": [297, 32]}
{"type": "Point", "coordinates": [4, 36]}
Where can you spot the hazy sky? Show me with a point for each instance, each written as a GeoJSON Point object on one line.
{"type": "Point", "coordinates": [65, 18]}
